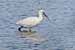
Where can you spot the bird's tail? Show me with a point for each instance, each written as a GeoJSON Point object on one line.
{"type": "Point", "coordinates": [18, 22]}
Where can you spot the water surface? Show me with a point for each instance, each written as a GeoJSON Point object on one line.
{"type": "Point", "coordinates": [60, 31]}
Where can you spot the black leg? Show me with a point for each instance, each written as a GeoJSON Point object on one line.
{"type": "Point", "coordinates": [29, 29]}
{"type": "Point", "coordinates": [20, 28]}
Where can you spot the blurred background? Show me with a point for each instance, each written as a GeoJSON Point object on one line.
{"type": "Point", "coordinates": [60, 31]}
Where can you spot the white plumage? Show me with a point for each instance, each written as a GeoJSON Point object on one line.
{"type": "Point", "coordinates": [32, 21]}
{"type": "Point", "coordinates": [29, 22]}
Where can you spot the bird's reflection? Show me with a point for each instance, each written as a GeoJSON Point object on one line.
{"type": "Point", "coordinates": [34, 36]}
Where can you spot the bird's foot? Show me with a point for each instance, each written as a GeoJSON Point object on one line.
{"type": "Point", "coordinates": [33, 31]}
{"type": "Point", "coordinates": [24, 31]}
{"type": "Point", "coordinates": [28, 31]}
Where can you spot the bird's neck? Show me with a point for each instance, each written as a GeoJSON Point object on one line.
{"type": "Point", "coordinates": [40, 16]}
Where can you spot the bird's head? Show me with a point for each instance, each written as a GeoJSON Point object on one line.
{"type": "Point", "coordinates": [42, 12]}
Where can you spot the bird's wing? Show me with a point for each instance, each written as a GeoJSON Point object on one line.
{"type": "Point", "coordinates": [27, 21]}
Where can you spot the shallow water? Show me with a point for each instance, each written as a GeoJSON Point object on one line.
{"type": "Point", "coordinates": [60, 31]}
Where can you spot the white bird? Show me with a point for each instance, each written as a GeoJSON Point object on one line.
{"type": "Point", "coordinates": [30, 22]}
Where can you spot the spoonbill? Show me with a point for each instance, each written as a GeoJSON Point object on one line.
{"type": "Point", "coordinates": [30, 22]}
